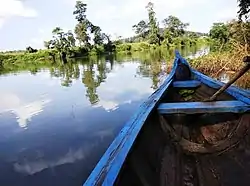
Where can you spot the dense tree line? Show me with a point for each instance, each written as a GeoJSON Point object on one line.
{"type": "Point", "coordinates": [90, 37]}
{"type": "Point", "coordinates": [235, 31]}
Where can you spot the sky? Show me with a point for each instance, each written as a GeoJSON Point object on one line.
{"type": "Point", "coordinates": [30, 22]}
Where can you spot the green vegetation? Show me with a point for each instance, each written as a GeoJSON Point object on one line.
{"type": "Point", "coordinates": [224, 62]}
{"type": "Point", "coordinates": [154, 35]}
{"type": "Point", "coordinates": [62, 42]}
{"type": "Point", "coordinates": [230, 43]}
{"type": "Point", "coordinates": [187, 95]}
{"type": "Point", "coordinates": [20, 57]}
{"type": "Point", "coordinates": [88, 38]}
{"type": "Point", "coordinates": [219, 33]}
{"type": "Point", "coordinates": [150, 36]}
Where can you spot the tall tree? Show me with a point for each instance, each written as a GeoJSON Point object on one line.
{"type": "Point", "coordinates": [175, 26]}
{"type": "Point", "coordinates": [244, 6]}
{"type": "Point", "coordinates": [109, 45]}
{"type": "Point", "coordinates": [71, 39]}
{"type": "Point", "coordinates": [82, 35]}
{"type": "Point", "coordinates": [219, 32]}
{"type": "Point", "coordinates": [83, 26]}
{"type": "Point", "coordinates": [239, 31]}
{"type": "Point", "coordinates": [141, 28]}
{"type": "Point", "coordinates": [153, 26]}
{"type": "Point", "coordinates": [80, 11]}
{"type": "Point", "coordinates": [62, 42]}
{"type": "Point", "coordinates": [98, 36]}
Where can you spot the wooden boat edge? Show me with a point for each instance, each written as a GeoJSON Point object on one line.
{"type": "Point", "coordinates": [114, 157]}
{"type": "Point", "coordinates": [107, 169]}
{"type": "Point", "coordinates": [239, 94]}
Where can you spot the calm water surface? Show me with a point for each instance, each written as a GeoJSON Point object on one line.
{"type": "Point", "coordinates": [57, 120]}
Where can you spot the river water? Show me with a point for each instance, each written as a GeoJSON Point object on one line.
{"type": "Point", "coordinates": [57, 120]}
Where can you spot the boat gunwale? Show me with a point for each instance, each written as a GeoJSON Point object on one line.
{"type": "Point", "coordinates": [110, 164]}
{"type": "Point", "coordinates": [108, 167]}
{"type": "Point", "coordinates": [237, 93]}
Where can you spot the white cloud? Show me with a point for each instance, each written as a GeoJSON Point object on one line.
{"type": "Point", "coordinates": [10, 8]}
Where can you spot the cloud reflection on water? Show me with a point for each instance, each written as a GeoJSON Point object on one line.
{"type": "Point", "coordinates": [122, 86]}
{"type": "Point", "coordinates": [37, 166]}
{"type": "Point", "coordinates": [24, 111]}
{"type": "Point", "coordinates": [73, 155]}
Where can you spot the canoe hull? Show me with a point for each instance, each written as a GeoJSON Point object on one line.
{"type": "Point", "coordinates": [170, 149]}
{"type": "Point", "coordinates": [157, 148]}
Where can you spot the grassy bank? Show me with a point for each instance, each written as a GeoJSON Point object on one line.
{"type": "Point", "coordinates": [42, 56]}
{"type": "Point", "coordinates": [224, 62]}
{"type": "Point", "coordinates": [145, 46]}
{"type": "Point", "coordinates": [46, 56]}
{"type": "Point", "coordinates": [215, 62]}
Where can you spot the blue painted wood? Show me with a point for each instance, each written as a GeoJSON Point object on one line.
{"type": "Point", "coordinates": [239, 94]}
{"type": "Point", "coordinates": [108, 167]}
{"type": "Point", "coordinates": [186, 84]}
{"type": "Point", "coordinates": [203, 107]}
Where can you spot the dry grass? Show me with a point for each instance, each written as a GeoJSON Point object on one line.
{"type": "Point", "coordinates": [217, 62]}
{"type": "Point", "coordinates": [243, 82]}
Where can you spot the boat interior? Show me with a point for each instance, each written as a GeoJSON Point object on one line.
{"type": "Point", "coordinates": [188, 142]}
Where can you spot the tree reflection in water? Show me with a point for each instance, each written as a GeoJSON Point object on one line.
{"type": "Point", "coordinates": [93, 70]}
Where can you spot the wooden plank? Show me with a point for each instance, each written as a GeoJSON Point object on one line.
{"type": "Point", "coordinates": [203, 107]}
{"type": "Point", "coordinates": [186, 84]}
{"type": "Point", "coordinates": [109, 166]}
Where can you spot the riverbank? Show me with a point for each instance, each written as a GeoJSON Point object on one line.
{"type": "Point", "coordinates": [41, 56]}
{"type": "Point", "coordinates": [177, 43]}
{"type": "Point", "coordinates": [216, 64]}
{"type": "Point", "coordinates": [50, 55]}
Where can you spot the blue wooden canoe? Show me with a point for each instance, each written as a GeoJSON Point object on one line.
{"type": "Point", "coordinates": [177, 139]}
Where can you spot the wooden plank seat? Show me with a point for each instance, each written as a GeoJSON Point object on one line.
{"type": "Point", "coordinates": [203, 107]}
{"type": "Point", "coordinates": [186, 84]}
